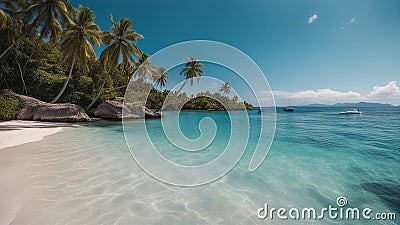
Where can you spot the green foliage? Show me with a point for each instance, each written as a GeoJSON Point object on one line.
{"type": "Point", "coordinates": [121, 43]}
{"type": "Point", "coordinates": [203, 101]}
{"type": "Point", "coordinates": [214, 101]}
{"type": "Point", "coordinates": [40, 67]}
{"type": "Point", "coordinates": [49, 17]}
{"type": "Point", "coordinates": [81, 33]}
{"type": "Point", "coordinates": [9, 106]}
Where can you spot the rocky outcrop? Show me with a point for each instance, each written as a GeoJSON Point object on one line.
{"type": "Point", "coordinates": [34, 109]}
{"type": "Point", "coordinates": [61, 113]}
{"type": "Point", "coordinates": [115, 109]}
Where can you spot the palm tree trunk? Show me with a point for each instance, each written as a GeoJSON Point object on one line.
{"type": "Point", "coordinates": [24, 89]}
{"type": "Point", "coordinates": [65, 83]}
{"type": "Point", "coordinates": [8, 49]}
{"type": "Point", "coordinates": [180, 89]}
{"type": "Point", "coordinates": [176, 95]}
{"type": "Point", "coordinates": [99, 91]}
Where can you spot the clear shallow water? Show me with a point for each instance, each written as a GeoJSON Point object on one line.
{"type": "Point", "coordinates": [86, 175]}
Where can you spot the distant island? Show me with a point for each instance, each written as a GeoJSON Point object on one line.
{"type": "Point", "coordinates": [355, 105]}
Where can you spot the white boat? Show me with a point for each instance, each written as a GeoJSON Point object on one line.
{"type": "Point", "coordinates": [354, 111]}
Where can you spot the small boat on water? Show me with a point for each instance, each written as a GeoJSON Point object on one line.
{"type": "Point", "coordinates": [353, 111]}
{"type": "Point", "coordinates": [289, 108]}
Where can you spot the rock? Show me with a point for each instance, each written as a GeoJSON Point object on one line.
{"type": "Point", "coordinates": [109, 110]}
{"type": "Point", "coordinates": [114, 109]}
{"type": "Point", "coordinates": [34, 109]}
{"type": "Point", "coordinates": [151, 114]}
{"type": "Point", "coordinates": [61, 113]}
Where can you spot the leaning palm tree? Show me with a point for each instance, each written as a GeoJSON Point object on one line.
{"type": "Point", "coordinates": [225, 88]}
{"type": "Point", "coordinates": [161, 77]}
{"type": "Point", "coordinates": [49, 17]}
{"type": "Point", "coordinates": [80, 35]}
{"type": "Point", "coordinates": [121, 43]}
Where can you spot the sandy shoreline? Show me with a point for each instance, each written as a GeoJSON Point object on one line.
{"type": "Point", "coordinates": [13, 161]}
{"type": "Point", "coordinates": [18, 132]}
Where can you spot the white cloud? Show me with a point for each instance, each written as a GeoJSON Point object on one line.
{"type": "Point", "coordinates": [353, 20]}
{"type": "Point", "coordinates": [391, 89]}
{"type": "Point", "coordinates": [312, 18]}
{"type": "Point", "coordinates": [321, 96]}
{"type": "Point", "coordinates": [389, 93]}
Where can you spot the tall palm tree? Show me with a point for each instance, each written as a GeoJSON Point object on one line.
{"type": "Point", "coordinates": [121, 43]}
{"type": "Point", "coordinates": [161, 77]}
{"type": "Point", "coordinates": [225, 88]}
{"type": "Point", "coordinates": [78, 38]}
{"type": "Point", "coordinates": [49, 17]}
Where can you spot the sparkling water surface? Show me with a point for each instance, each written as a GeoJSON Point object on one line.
{"type": "Point", "coordinates": [86, 175]}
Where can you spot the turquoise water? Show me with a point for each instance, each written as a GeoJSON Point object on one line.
{"type": "Point", "coordinates": [87, 175]}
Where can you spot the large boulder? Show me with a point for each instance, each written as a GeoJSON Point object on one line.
{"type": "Point", "coordinates": [34, 109]}
{"type": "Point", "coordinates": [114, 109]}
{"type": "Point", "coordinates": [61, 113]}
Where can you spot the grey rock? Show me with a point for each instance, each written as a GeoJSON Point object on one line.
{"type": "Point", "coordinates": [115, 109]}
{"type": "Point", "coordinates": [34, 109]}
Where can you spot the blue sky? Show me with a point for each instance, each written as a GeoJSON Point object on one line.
{"type": "Point", "coordinates": [350, 46]}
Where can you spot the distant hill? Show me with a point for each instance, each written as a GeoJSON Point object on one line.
{"type": "Point", "coordinates": [355, 105]}
{"type": "Point", "coordinates": [317, 105]}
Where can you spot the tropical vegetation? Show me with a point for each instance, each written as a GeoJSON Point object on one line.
{"type": "Point", "coordinates": [8, 106]}
{"type": "Point", "coordinates": [48, 51]}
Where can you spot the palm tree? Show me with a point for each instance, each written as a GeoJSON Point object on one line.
{"type": "Point", "coordinates": [145, 66]}
{"type": "Point", "coordinates": [121, 43]}
{"type": "Point", "coordinates": [191, 70]}
{"type": "Point", "coordinates": [78, 38]}
{"type": "Point", "coordinates": [235, 98]}
{"type": "Point", "coordinates": [225, 88]}
{"type": "Point", "coordinates": [161, 77]}
{"type": "Point", "coordinates": [50, 16]}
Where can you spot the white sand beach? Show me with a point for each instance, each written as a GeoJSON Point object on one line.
{"type": "Point", "coordinates": [17, 132]}
{"type": "Point", "coordinates": [12, 162]}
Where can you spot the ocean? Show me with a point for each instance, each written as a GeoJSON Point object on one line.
{"type": "Point", "coordinates": [85, 174]}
